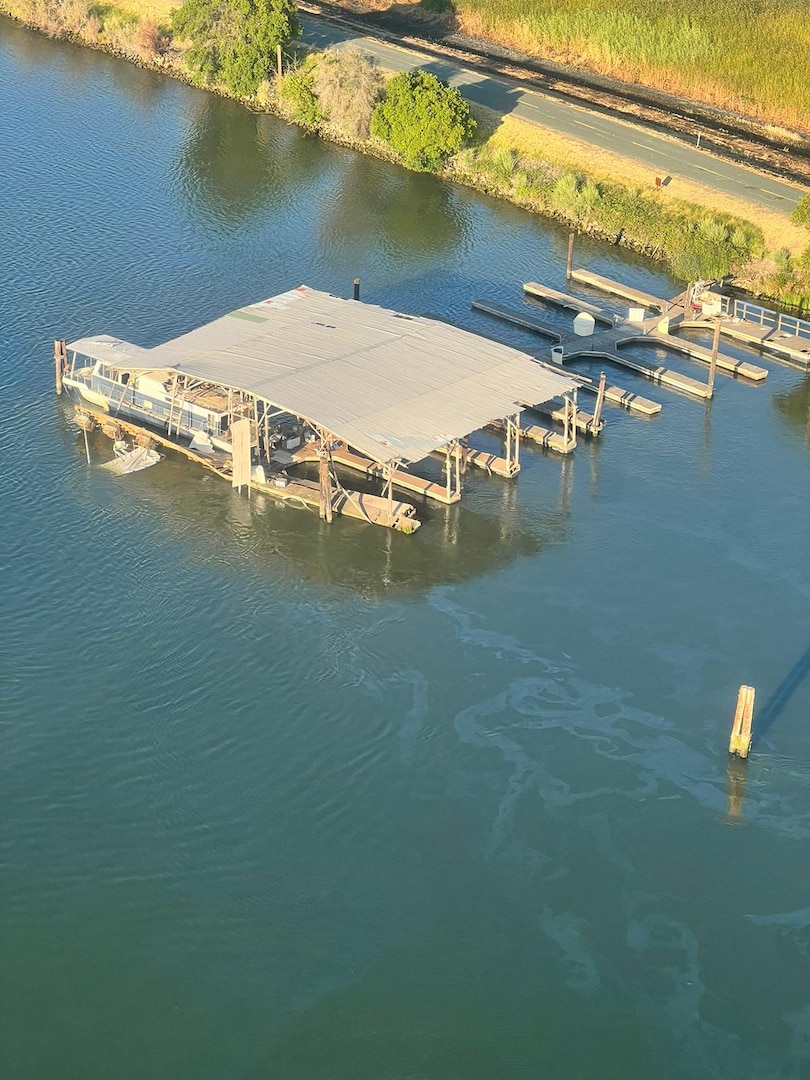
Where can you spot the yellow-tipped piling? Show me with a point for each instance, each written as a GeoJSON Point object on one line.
{"type": "Point", "coordinates": [740, 742]}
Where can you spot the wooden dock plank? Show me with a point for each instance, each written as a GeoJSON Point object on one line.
{"type": "Point", "coordinates": [373, 509]}
{"type": "Point", "coordinates": [626, 399]}
{"type": "Point", "coordinates": [757, 336]}
{"type": "Point", "coordinates": [616, 288]}
{"type": "Point", "coordinates": [349, 459]}
{"type": "Point", "coordinates": [549, 440]}
{"type": "Point", "coordinates": [526, 321]}
{"type": "Point", "coordinates": [661, 375]}
{"type": "Point", "coordinates": [726, 364]}
{"type": "Point", "coordinates": [491, 463]}
{"type": "Point", "coordinates": [616, 395]}
{"type": "Point", "coordinates": [584, 420]}
{"type": "Point", "coordinates": [563, 300]}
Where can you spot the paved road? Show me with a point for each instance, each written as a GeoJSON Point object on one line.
{"type": "Point", "coordinates": [665, 158]}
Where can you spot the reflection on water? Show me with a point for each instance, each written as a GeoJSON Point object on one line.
{"type": "Point", "coordinates": [737, 780]}
{"type": "Point", "coordinates": [233, 164]}
{"type": "Point", "coordinates": [455, 543]}
{"type": "Point", "coordinates": [793, 407]}
{"type": "Point", "coordinates": [461, 795]}
{"type": "Point", "coordinates": [409, 214]}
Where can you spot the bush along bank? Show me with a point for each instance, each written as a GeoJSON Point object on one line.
{"type": "Point", "coordinates": [417, 120]}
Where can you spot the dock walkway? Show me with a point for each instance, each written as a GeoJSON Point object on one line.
{"type": "Point", "coordinates": [615, 395]}
{"type": "Point", "coordinates": [616, 288]}
{"type": "Point", "coordinates": [653, 329]}
{"type": "Point", "coordinates": [349, 459]}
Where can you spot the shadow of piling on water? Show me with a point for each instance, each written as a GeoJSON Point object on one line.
{"type": "Point", "coordinates": [776, 703]}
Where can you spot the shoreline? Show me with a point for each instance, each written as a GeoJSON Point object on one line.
{"type": "Point", "coordinates": [460, 169]}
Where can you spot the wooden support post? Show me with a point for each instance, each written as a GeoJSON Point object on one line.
{"type": "Point", "coordinates": [356, 294]}
{"type": "Point", "coordinates": [570, 420]}
{"type": "Point", "coordinates": [59, 357]}
{"type": "Point", "coordinates": [458, 464]}
{"type": "Point", "coordinates": [600, 398]}
{"type": "Point", "coordinates": [569, 264]}
{"type": "Point", "coordinates": [449, 472]}
{"type": "Point", "coordinates": [740, 742]}
{"type": "Point", "coordinates": [389, 472]}
{"type": "Point", "coordinates": [508, 443]}
{"type": "Point", "coordinates": [517, 440]}
{"type": "Point", "coordinates": [324, 483]}
{"type": "Point", "coordinates": [713, 360]}
{"type": "Point", "coordinates": [278, 60]}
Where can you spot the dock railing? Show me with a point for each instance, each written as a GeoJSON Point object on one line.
{"type": "Point", "coordinates": [755, 313]}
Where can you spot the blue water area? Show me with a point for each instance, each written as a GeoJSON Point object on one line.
{"type": "Point", "coordinates": [283, 799]}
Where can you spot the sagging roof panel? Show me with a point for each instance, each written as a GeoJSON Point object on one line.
{"type": "Point", "coordinates": [393, 386]}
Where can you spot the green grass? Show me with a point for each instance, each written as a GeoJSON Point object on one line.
{"type": "Point", "coordinates": [749, 56]}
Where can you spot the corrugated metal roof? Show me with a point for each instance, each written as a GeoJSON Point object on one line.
{"type": "Point", "coordinates": [113, 351]}
{"type": "Point", "coordinates": [393, 386]}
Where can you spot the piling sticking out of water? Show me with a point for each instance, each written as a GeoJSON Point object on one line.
{"type": "Point", "coordinates": [740, 742]}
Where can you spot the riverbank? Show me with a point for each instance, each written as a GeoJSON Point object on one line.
{"type": "Point", "coordinates": [697, 231]}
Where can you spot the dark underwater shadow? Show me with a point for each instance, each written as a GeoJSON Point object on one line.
{"type": "Point", "coordinates": [217, 526]}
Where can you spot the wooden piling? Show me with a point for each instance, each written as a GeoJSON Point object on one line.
{"type": "Point", "coordinates": [713, 359]}
{"type": "Point", "coordinates": [740, 742]}
{"type": "Point", "coordinates": [59, 359]}
{"type": "Point", "coordinates": [325, 484]}
{"type": "Point", "coordinates": [357, 288]}
{"type": "Point", "coordinates": [569, 265]}
{"type": "Point", "coordinates": [600, 397]}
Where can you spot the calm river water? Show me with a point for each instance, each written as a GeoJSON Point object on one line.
{"type": "Point", "coordinates": [284, 800]}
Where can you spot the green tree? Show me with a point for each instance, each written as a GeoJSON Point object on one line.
{"type": "Point", "coordinates": [423, 119]}
{"type": "Point", "coordinates": [234, 41]}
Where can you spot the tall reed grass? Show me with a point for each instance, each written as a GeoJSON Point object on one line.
{"type": "Point", "coordinates": [750, 56]}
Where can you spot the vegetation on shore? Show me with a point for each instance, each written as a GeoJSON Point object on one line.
{"type": "Point", "coordinates": [747, 58]}
{"type": "Point", "coordinates": [341, 95]}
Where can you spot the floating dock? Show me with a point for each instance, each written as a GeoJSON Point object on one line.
{"type": "Point", "coordinates": [786, 336]}
{"type": "Point", "coordinates": [566, 302]}
{"type": "Point", "coordinates": [673, 380]}
{"type": "Point", "coordinates": [727, 364]}
{"type": "Point", "coordinates": [627, 331]}
{"type": "Point", "coordinates": [549, 440]}
{"type": "Point", "coordinates": [616, 395]}
{"type": "Point", "coordinates": [616, 288]}
{"type": "Point", "coordinates": [372, 470]}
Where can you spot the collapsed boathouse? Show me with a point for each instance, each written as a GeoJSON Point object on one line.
{"type": "Point", "coordinates": [309, 377]}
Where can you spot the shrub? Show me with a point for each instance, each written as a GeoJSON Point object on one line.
{"type": "Point", "coordinates": [235, 41]}
{"type": "Point", "coordinates": [150, 41]}
{"type": "Point", "coordinates": [423, 119]}
{"type": "Point", "coordinates": [801, 215]}
{"type": "Point", "coordinates": [297, 94]}
{"type": "Point", "coordinates": [348, 85]}
{"type": "Point", "coordinates": [120, 31]}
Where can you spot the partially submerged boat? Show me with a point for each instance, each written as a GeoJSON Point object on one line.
{"type": "Point", "coordinates": [108, 374]}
